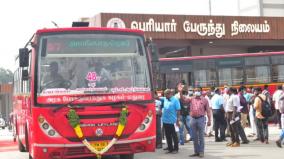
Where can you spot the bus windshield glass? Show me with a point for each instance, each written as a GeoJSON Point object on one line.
{"type": "Point", "coordinates": [91, 63]}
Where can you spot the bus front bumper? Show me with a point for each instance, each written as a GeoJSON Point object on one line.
{"type": "Point", "coordinates": [58, 151]}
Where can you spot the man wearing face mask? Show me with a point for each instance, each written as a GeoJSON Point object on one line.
{"type": "Point", "coordinates": [184, 117]}
{"type": "Point", "coordinates": [190, 92]}
{"type": "Point", "coordinates": [170, 116]}
{"type": "Point", "coordinates": [226, 97]}
{"type": "Point", "coordinates": [199, 107]}
{"type": "Point", "coordinates": [232, 117]}
{"type": "Point", "coordinates": [220, 123]}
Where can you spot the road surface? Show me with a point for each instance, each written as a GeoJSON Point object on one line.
{"type": "Point", "coordinates": [213, 150]}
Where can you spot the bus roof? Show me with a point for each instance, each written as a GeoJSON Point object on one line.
{"type": "Point", "coordinates": [188, 58]}
{"type": "Point", "coordinates": [75, 29]}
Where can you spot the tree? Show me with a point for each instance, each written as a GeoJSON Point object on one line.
{"type": "Point", "coordinates": [6, 75]}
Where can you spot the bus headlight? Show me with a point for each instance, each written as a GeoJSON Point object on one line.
{"type": "Point", "coordinates": [142, 127]}
{"type": "Point", "coordinates": [51, 132]}
{"type": "Point", "coordinates": [46, 127]}
{"type": "Point", "coordinates": [146, 122]}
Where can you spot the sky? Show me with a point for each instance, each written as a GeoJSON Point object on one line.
{"type": "Point", "coordinates": [21, 18]}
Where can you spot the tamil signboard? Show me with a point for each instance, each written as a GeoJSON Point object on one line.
{"type": "Point", "coordinates": [196, 27]}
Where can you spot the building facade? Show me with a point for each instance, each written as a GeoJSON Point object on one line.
{"type": "Point", "coordinates": [186, 35]}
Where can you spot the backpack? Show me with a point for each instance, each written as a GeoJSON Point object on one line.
{"type": "Point", "coordinates": [183, 109]}
{"type": "Point", "coordinates": [266, 108]}
{"type": "Point", "coordinates": [243, 103]}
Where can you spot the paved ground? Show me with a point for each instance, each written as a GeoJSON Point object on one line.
{"type": "Point", "coordinates": [213, 150]}
{"type": "Point", "coordinates": [254, 150]}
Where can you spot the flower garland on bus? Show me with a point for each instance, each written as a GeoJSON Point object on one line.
{"type": "Point", "coordinates": [74, 121]}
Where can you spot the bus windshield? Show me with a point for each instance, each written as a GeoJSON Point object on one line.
{"type": "Point", "coordinates": [92, 63]}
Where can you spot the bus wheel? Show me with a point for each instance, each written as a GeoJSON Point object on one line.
{"type": "Point", "coordinates": [127, 156]}
{"type": "Point", "coordinates": [27, 139]}
{"type": "Point", "coordinates": [21, 146]}
{"type": "Point", "coordinates": [30, 157]}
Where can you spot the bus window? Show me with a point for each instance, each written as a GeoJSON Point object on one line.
{"type": "Point", "coordinates": [230, 76]}
{"type": "Point", "coordinates": [237, 76]}
{"type": "Point", "coordinates": [258, 74]}
{"type": "Point", "coordinates": [277, 68]}
{"type": "Point", "coordinates": [257, 61]}
{"type": "Point", "coordinates": [200, 78]}
{"type": "Point", "coordinates": [172, 79]}
{"type": "Point", "coordinates": [278, 73]}
{"type": "Point", "coordinates": [277, 60]}
{"type": "Point", "coordinates": [205, 78]}
{"type": "Point", "coordinates": [212, 77]}
{"type": "Point", "coordinates": [109, 62]}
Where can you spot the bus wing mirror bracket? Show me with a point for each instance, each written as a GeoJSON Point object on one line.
{"type": "Point", "coordinates": [153, 51]}
{"type": "Point", "coordinates": [24, 57]}
{"type": "Point", "coordinates": [25, 75]}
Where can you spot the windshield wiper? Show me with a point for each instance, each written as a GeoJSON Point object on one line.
{"type": "Point", "coordinates": [69, 103]}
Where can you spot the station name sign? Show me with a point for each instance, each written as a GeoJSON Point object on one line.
{"type": "Point", "coordinates": [198, 27]}
{"type": "Point", "coordinates": [203, 29]}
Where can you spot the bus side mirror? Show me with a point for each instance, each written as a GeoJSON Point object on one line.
{"type": "Point", "coordinates": [24, 57]}
{"type": "Point", "coordinates": [25, 75]}
{"type": "Point", "coordinates": [153, 51]}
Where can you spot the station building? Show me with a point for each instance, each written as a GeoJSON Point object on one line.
{"type": "Point", "coordinates": [191, 35]}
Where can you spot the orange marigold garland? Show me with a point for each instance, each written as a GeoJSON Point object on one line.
{"type": "Point", "coordinates": [74, 121]}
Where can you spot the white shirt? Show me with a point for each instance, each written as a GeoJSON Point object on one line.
{"type": "Point", "coordinates": [234, 101]}
{"type": "Point", "coordinates": [276, 97]}
{"type": "Point", "coordinates": [225, 98]}
{"type": "Point", "coordinates": [209, 101]}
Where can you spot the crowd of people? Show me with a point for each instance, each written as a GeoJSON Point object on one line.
{"type": "Point", "coordinates": [226, 112]}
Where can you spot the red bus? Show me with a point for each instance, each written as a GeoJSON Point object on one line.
{"type": "Point", "coordinates": [251, 69]}
{"type": "Point", "coordinates": [82, 92]}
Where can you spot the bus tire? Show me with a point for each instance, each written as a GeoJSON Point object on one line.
{"type": "Point", "coordinates": [127, 156]}
{"type": "Point", "coordinates": [27, 139]}
{"type": "Point", "coordinates": [21, 146]}
{"type": "Point", "coordinates": [30, 157]}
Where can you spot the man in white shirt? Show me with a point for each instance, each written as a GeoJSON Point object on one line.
{"type": "Point", "coordinates": [275, 99]}
{"type": "Point", "coordinates": [209, 129]}
{"type": "Point", "coordinates": [231, 111]}
{"type": "Point", "coordinates": [226, 98]}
